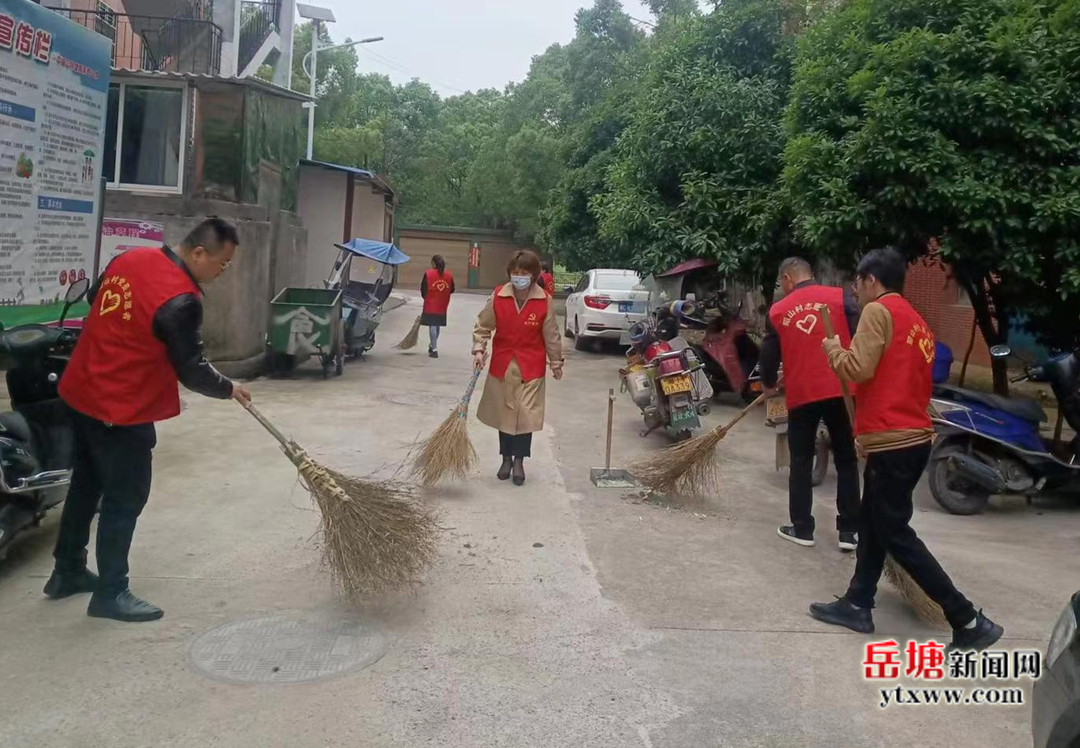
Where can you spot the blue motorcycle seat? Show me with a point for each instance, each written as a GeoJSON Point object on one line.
{"type": "Point", "coordinates": [1021, 407]}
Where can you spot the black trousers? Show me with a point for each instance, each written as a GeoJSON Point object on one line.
{"type": "Point", "coordinates": [802, 433]}
{"type": "Point", "coordinates": [885, 528]}
{"type": "Point", "coordinates": [113, 465]}
{"type": "Point", "coordinates": [515, 445]}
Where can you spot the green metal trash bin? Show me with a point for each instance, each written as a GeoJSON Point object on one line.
{"type": "Point", "coordinates": [305, 322]}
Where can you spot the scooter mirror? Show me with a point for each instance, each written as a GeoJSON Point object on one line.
{"type": "Point", "coordinates": [77, 290]}
{"type": "Point", "coordinates": [1000, 351]}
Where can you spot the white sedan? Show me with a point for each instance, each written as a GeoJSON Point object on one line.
{"type": "Point", "coordinates": [604, 305]}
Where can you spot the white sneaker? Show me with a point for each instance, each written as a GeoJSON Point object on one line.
{"type": "Point", "coordinates": [849, 541]}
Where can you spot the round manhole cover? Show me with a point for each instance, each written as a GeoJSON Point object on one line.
{"type": "Point", "coordinates": [407, 398]}
{"type": "Point", "coordinates": [282, 649]}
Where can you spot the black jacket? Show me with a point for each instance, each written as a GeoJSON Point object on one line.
{"type": "Point", "coordinates": [770, 347]}
{"type": "Point", "coordinates": [177, 324]}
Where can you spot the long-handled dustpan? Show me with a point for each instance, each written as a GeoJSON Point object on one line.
{"type": "Point", "coordinates": [606, 477]}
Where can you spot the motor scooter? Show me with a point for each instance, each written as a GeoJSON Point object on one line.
{"type": "Point", "coordinates": [724, 346]}
{"type": "Point", "coordinates": [37, 440]}
{"type": "Point", "coordinates": [987, 444]}
{"type": "Point", "coordinates": [665, 378]}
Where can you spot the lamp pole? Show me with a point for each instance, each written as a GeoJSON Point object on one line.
{"type": "Point", "coordinates": [312, 74]}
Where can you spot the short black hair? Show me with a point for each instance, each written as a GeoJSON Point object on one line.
{"type": "Point", "coordinates": [211, 234]}
{"type": "Point", "coordinates": [887, 265]}
{"type": "Point", "coordinates": [545, 266]}
{"type": "Point", "coordinates": [795, 264]}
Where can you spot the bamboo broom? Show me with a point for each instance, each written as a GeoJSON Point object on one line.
{"type": "Point", "coordinates": [448, 452]}
{"type": "Point", "coordinates": [411, 337]}
{"type": "Point", "coordinates": [376, 536]}
{"type": "Point", "coordinates": [689, 466]}
{"type": "Point", "coordinates": [897, 576]}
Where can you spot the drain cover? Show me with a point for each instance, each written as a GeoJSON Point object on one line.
{"type": "Point", "coordinates": [282, 649]}
{"type": "Point", "coordinates": [406, 398]}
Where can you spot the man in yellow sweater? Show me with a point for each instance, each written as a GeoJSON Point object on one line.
{"type": "Point", "coordinates": [891, 356]}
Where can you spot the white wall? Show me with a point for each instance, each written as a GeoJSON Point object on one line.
{"type": "Point", "coordinates": [321, 204]}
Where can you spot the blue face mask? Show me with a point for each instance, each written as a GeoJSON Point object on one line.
{"type": "Point", "coordinates": [521, 282]}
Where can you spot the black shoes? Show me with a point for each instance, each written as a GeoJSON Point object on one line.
{"type": "Point", "coordinates": [432, 354]}
{"type": "Point", "coordinates": [68, 583]}
{"type": "Point", "coordinates": [984, 634]}
{"type": "Point", "coordinates": [849, 541]}
{"type": "Point", "coordinates": [787, 532]}
{"type": "Point", "coordinates": [519, 471]}
{"type": "Point", "coordinates": [504, 471]}
{"type": "Point", "coordinates": [123, 607]}
{"type": "Point", "coordinates": [843, 613]}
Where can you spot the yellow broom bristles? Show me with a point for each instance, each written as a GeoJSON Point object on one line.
{"type": "Point", "coordinates": [411, 337]}
{"type": "Point", "coordinates": [376, 536]}
{"type": "Point", "coordinates": [913, 594]}
{"type": "Point", "coordinates": [448, 452]}
{"type": "Point", "coordinates": [689, 467]}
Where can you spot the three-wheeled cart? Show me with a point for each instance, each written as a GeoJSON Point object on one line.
{"type": "Point", "coordinates": [365, 272]}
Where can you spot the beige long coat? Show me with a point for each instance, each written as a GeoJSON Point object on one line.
{"type": "Point", "coordinates": [510, 404]}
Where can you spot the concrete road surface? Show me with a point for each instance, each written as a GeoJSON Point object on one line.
{"type": "Point", "coordinates": [557, 615]}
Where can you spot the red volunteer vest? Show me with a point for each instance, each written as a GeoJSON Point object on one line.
{"type": "Point", "coordinates": [899, 392]}
{"type": "Point", "coordinates": [120, 372]}
{"type": "Point", "coordinates": [437, 300]}
{"type": "Point", "coordinates": [808, 377]}
{"type": "Point", "coordinates": [547, 280]}
{"type": "Point", "coordinates": [519, 335]}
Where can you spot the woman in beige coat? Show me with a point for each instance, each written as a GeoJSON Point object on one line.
{"type": "Point", "coordinates": [519, 321]}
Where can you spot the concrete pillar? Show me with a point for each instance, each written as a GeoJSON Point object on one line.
{"type": "Point", "coordinates": [227, 17]}
{"type": "Point", "coordinates": [287, 28]}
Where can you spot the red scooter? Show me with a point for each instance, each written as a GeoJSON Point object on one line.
{"type": "Point", "coordinates": [724, 347]}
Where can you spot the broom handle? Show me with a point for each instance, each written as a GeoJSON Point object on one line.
{"type": "Point", "coordinates": [265, 422]}
{"type": "Point", "coordinates": [472, 385]}
{"type": "Point", "coordinates": [849, 403]}
{"type": "Point", "coordinates": [610, 416]}
{"type": "Point", "coordinates": [743, 413]}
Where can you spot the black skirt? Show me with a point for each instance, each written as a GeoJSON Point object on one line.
{"type": "Point", "coordinates": [433, 320]}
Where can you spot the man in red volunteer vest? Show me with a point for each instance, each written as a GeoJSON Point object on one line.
{"type": "Point", "coordinates": [890, 357]}
{"type": "Point", "coordinates": [140, 337]}
{"type": "Point", "coordinates": [547, 279]}
{"type": "Point", "coordinates": [794, 332]}
{"type": "Point", "coordinates": [435, 288]}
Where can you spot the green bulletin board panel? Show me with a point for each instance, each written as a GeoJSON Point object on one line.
{"type": "Point", "coordinates": [42, 314]}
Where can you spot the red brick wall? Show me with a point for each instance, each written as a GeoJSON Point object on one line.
{"type": "Point", "coordinates": [932, 291]}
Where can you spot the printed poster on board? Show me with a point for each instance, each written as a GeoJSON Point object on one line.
{"type": "Point", "coordinates": [54, 85]}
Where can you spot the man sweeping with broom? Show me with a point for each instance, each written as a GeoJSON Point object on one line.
{"type": "Point", "coordinates": [891, 356]}
{"type": "Point", "coordinates": [141, 337]}
{"type": "Point", "coordinates": [813, 395]}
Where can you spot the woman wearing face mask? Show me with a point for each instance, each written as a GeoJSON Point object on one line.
{"type": "Point", "coordinates": [521, 317]}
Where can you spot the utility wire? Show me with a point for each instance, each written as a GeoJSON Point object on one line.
{"type": "Point", "coordinates": [402, 69]}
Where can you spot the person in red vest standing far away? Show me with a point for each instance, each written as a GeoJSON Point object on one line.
{"type": "Point", "coordinates": [140, 338]}
{"type": "Point", "coordinates": [794, 332]}
{"type": "Point", "coordinates": [547, 280]}
{"type": "Point", "coordinates": [890, 357]}
{"type": "Point", "coordinates": [520, 322]}
{"type": "Point", "coordinates": [435, 288]}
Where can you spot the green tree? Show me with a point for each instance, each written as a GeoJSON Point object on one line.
{"type": "Point", "coordinates": [948, 120]}
{"type": "Point", "coordinates": [697, 171]}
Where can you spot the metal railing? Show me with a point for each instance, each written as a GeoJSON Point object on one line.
{"type": "Point", "coordinates": [257, 20]}
{"type": "Point", "coordinates": [180, 45]}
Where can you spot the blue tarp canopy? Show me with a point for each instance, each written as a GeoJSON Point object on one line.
{"type": "Point", "coordinates": [378, 251]}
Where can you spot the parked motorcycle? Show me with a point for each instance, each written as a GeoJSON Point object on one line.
{"type": "Point", "coordinates": [719, 338]}
{"type": "Point", "coordinates": [36, 437]}
{"type": "Point", "coordinates": [664, 377]}
{"type": "Point", "coordinates": [988, 444]}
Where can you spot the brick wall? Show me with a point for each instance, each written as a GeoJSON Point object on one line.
{"type": "Point", "coordinates": [935, 295]}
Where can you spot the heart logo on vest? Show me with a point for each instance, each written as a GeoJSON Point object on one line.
{"type": "Point", "coordinates": [807, 323]}
{"type": "Point", "coordinates": [441, 285]}
{"type": "Point", "coordinates": [110, 302]}
{"type": "Point", "coordinates": [927, 347]}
